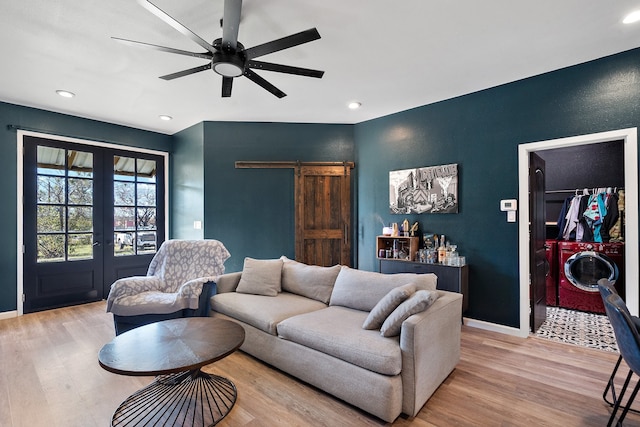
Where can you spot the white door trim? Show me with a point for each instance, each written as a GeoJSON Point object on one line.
{"type": "Point", "coordinates": [630, 138]}
{"type": "Point", "coordinates": [20, 192]}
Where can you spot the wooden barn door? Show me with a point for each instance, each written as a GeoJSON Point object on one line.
{"type": "Point", "coordinates": [323, 214]}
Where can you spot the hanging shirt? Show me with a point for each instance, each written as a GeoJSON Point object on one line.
{"type": "Point", "coordinates": [562, 218]}
{"type": "Point", "coordinates": [611, 218]}
{"type": "Point", "coordinates": [572, 218]}
{"type": "Point", "coordinates": [594, 214]}
{"type": "Point", "coordinates": [584, 232]}
{"type": "Point", "coordinates": [616, 230]}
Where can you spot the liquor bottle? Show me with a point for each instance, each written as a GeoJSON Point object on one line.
{"type": "Point", "coordinates": [395, 248]}
{"type": "Point", "coordinates": [442, 250]}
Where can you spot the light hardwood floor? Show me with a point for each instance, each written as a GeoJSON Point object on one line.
{"type": "Point", "coordinates": [49, 376]}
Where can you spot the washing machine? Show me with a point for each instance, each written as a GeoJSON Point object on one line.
{"type": "Point", "coordinates": [580, 266]}
{"type": "Point", "coordinates": [551, 247]}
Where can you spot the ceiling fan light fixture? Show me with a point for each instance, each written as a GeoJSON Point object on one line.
{"type": "Point", "coordinates": [65, 93]}
{"type": "Point", "coordinates": [228, 69]}
{"type": "Point", "coordinates": [227, 64]}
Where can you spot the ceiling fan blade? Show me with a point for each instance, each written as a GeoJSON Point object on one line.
{"type": "Point", "coordinates": [231, 24]}
{"type": "Point", "coordinates": [186, 72]}
{"type": "Point", "coordinates": [175, 24]}
{"type": "Point", "coordinates": [204, 55]}
{"type": "Point", "coordinates": [283, 43]}
{"type": "Point", "coordinates": [279, 68]}
{"type": "Point", "coordinates": [265, 84]}
{"type": "Point", "coordinates": [227, 84]}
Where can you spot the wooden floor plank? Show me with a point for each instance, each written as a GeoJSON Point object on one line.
{"type": "Point", "coordinates": [50, 376]}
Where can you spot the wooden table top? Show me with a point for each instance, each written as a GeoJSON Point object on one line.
{"type": "Point", "coordinates": [171, 346]}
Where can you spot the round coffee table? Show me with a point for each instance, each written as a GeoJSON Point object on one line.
{"type": "Point", "coordinates": [174, 350]}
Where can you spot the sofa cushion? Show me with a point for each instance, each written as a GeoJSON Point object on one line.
{"type": "Point", "coordinates": [387, 304]}
{"type": "Point", "coordinates": [337, 331]}
{"type": "Point", "coordinates": [261, 311]}
{"type": "Point", "coordinates": [418, 302]}
{"type": "Point", "coordinates": [362, 290]}
{"type": "Point", "coordinates": [261, 277]}
{"type": "Point", "coordinates": [311, 281]}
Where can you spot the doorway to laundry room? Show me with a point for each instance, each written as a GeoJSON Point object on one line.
{"type": "Point", "coordinates": [590, 222]}
{"type": "Point", "coordinates": [585, 228]}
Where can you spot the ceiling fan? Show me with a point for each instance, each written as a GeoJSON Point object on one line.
{"type": "Point", "coordinates": [226, 55]}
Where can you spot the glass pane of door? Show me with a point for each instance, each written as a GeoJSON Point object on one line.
{"type": "Point", "coordinates": [135, 206]}
{"type": "Point", "coordinates": [64, 204]}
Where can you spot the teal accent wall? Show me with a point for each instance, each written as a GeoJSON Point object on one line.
{"type": "Point", "coordinates": [187, 183]}
{"type": "Point", "coordinates": [56, 124]}
{"type": "Point", "coordinates": [252, 210]}
{"type": "Point", "coordinates": [481, 133]}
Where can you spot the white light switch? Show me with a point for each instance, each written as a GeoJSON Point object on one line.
{"type": "Point", "coordinates": [511, 216]}
{"type": "Point", "coordinates": [197, 225]}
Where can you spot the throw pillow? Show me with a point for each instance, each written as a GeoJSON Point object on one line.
{"type": "Point", "coordinates": [260, 277]}
{"type": "Point", "coordinates": [387, 304]}
{"type": "Point", "coordinates": [311, 281]}
{"type": "Point", "coordinates": [361, 290]}
{"type": "Point", "coordinates": [416, 303]}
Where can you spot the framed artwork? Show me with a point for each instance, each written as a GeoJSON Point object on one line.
{"type": "Point", "coordinates": [432, 189]}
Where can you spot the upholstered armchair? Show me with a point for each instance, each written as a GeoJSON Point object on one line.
{"type": "Point", "coordinates": [179, 281]}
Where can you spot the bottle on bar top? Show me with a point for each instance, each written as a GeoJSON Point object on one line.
{"type": "Point", "coordinates": [442, 250]}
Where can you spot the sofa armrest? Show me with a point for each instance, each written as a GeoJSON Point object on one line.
{"type": "Point", "coordinates": [430, 346]}
{"type": "Point", "coordinates": [228, 282]}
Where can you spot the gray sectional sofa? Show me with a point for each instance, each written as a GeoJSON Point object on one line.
{"type": "Point", "coordinates": [309, 321]}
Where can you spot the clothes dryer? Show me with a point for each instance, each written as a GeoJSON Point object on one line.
{"type": "Point", "coordinates": [581, 265]}
{"type": "Point", "coordinates": [552, 272]}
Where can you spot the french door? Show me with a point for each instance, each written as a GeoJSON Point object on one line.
{"type": "Point", "coordinates": [91, 216]}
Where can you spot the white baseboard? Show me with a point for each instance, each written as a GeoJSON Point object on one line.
{"type": "Point", "coordinates": [494, 327]}
{"type": "Point", "coordinates": [8, 314]}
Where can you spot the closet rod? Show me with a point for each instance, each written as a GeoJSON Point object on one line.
{"type": "Point", "coordinates": [573, 190]}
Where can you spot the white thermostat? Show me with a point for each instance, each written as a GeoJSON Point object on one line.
{"type": "Point", "coordinates": [508, 205]}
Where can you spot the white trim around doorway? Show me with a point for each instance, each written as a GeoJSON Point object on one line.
{"type": "Point", "coordinates": [629, 137]}
{"type": "Point", "coordinates": [20, 198]}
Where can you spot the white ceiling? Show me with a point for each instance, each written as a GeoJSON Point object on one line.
{"type": "Point", "coordinates": [389, 55]}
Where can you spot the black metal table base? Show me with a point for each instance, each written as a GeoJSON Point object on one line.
{"type": "Point", "coordinates": [192, 398]}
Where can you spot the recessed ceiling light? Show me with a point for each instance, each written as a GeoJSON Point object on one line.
{"type": "Point", "coordinates": [632, 17]}
{"type": "Point", "coordinates": [165, 117]}
{"type": "Point", "coordinates": [65, 93]}
{"type": "Point", "coordinates": [355, 105]}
